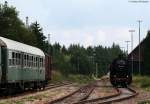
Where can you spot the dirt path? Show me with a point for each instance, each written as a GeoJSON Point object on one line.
{"type": "Point", "coordinates": [41, 97]}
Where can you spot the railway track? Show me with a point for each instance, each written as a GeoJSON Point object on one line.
{"type": "Point", "coordinates": [76, 96]}
{"type": "Point", "coordinates": [57, 85]}
{"type": "Point", "coordinates": [30, 91]}
{"type": "Point", "coordinates": [81, 95]}
{"type": "Point", "coordinates": [123, 94]}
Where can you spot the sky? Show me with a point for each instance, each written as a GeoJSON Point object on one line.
{"type": "Point", "coordinates": [87, 22]}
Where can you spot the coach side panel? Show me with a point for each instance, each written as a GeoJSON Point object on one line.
{"type": "Point", "coordinates": [25, 67]}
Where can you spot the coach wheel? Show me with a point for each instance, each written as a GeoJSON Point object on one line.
{"type": "Point", "coordinates": [10, 90]}
{"type": "Point", "coordinates": [43, 86]}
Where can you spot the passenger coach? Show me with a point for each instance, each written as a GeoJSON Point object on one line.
{"type": "Point", "coordinates": [22, 66]}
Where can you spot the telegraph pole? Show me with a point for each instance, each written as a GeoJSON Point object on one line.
{"type": "Point", "coordinates": [123, 49]}
{"type": "Point", "coordinates": [94, 62]}
{"type": "Point", "coordinates": [96, 71]}
{"type": "Point", "coordinates": [131, 31]}
{"type": "Point", "coordinates": [127, 46]}
{"type": "Point", "coordinates": [78, 64]}
{"type": "Point", "coordinates": [139, 22]}
{"type": "Point", "coordinates": [27, 22]}
{"type": "Point", "coordinates": [49, 44]}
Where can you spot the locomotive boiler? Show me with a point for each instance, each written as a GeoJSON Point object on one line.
{"type": "Point", "coordinates": [120, 73]}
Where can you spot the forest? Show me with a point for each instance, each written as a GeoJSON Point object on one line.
{"type": "Point", "coordinates": [75, 59]}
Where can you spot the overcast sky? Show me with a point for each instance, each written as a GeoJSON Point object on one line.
{"type": "Point", "coordinates": [87, 22]}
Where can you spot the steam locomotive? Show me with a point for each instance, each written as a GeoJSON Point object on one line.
{"type": "Point", "coordinates": [120, 73]}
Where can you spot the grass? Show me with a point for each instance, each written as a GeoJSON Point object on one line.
{"type": "Point", "coordinates": [142, 82]}
{"type": "Point", "coordinates": [19, 102]}
{"type": "Point", "coordinates": [145, 102]}
{"type": "Point", "coordinates": [81, 79]}
{"type": "Point", "coordinates": [57, 77]}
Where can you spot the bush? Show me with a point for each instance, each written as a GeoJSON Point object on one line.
{"type": "Point", "coordinates": [144, 102]}
{"type": "Point", "coordinates": [142, 82]}
{"type": "Point", "coordinates": [80, 79]}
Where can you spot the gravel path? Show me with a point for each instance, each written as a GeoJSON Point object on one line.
{"type": "Point", "coordinates": [142, 96]}
{"type": "Point", "coordinates": [41, 97]}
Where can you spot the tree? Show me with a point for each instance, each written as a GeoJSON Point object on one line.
{"type": "Point", "coordinates": [73, 60]}
{"type": "Point", "coordinates": [12, 27]}
{"type": "Point", "coordinates": [64, 50]}
{"type": "Point", "coordinates": [40, 38]}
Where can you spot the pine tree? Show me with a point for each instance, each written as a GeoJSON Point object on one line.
{"type": "Point", "coordinates": [40, 38]}
{"type": "Point", "coordinates": [12, 27]}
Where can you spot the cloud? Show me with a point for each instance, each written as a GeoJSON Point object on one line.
{"type": "Point", "coordinates": [87, 22]}
{"type": "Point", "coordinates": [91, 36]}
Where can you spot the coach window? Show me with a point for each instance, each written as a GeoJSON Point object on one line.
{"type": "Point", "coordinates": [23, 56]}
{"type": "Point", "coordinates": [10, 58]}
{"type": "Point", "coordinates": [27, 60]}
{"type": "Point", "coordinates": [16, 58]}
{"type": "Point", "coordinates": [38, 61]}
{"type": "Point", "coordinates": [19, 58]}
{"type": "Point", "coordinates": [13, 60]}
{"type": "Point", "coordinates": [31, 61]}
{"type": "Point", "coordinates": [41, 62]}
{"type": "Point", "coordinates": [34, 61]}
{"type": "Point", "coordinates": [24, 60]}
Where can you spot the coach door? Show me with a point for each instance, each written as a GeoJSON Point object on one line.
{"type": "Point", "coordinates": [0, 65]}
{"type": "Point", "coordinates": [3, 64]}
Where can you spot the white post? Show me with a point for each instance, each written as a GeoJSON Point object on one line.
{"type": "Point", "coordinates": [96, 70]}
{"type": "Point", "coordinates": [131, 31]}
{"type": "Point", "coordinates": [139, 21]}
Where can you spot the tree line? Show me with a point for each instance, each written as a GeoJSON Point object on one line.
{"type": "Point", "coordinates": [75, 59]}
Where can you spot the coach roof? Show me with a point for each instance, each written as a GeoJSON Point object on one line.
{"type": "Point", "coordinates": [14, 45]}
